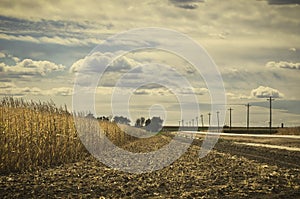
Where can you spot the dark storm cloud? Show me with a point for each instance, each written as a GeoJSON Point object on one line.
{"type": "Point", "coordinates": [283, 2]}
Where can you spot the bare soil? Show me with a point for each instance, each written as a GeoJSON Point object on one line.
{"type": "Point", "coordinates": [228, 171]}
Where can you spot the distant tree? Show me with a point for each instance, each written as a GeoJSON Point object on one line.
{"type": "Point", "coordinates": [147, 122]}
{"type": "Point", "coordinates": [155, 124]}
{"type": "Point", "coordinates": [138, 122]}
{"type": "Point", "coordinates": [142, 121]}
{"type": "Point", "coordinates": [122, 120]}
{"type": "Point", "coordinates": [90, 115]}
{"type": "Point", "coordinates": [103, 118]}
{"type": "Point", "coordinates": [225, 126]}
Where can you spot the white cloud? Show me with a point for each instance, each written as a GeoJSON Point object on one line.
{"type": "Point", "coordinates": [95, 62]}
{"type": "Point", "coordinates": [20, 91]}
{"type": "Point", "coordinates": [98, 61]}
{"type": "Point", "coordinates": [29, 67]}
{"type": "Point", "coordinates": [194, 91]}
{"type": "Point", "coordinates": [152, 91]}
{"type": "Point", "coordinates": [161, 90]}
{"type": "Point", "coordinates": [283, 64]}
{"type": "Point", "coordinates": [5, 85]}
{"type": "Point", "coordinates": [122, 64]}
{"type": "Point", "coordinates": [62, 91]}
{"type": "Point", "coordinates": [8, 88]}
{"type": "Point", "coordinates": [18, 38]}
{"type": "Point", "coordinates": [6, 55]}
{"type": "Point", "coordinates": [264, 92]}
{"type": "Point", "coordinates": [76, 66]}
{"type": "Point", "coordinates": [15, 59]}
{"type": "Point", "coordinates": [234, 96]}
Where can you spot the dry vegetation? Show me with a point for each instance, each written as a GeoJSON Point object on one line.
{"type": "Point", "coordinates": [289, 131]}
{"type": "Point", "coordinates": [40, 135]}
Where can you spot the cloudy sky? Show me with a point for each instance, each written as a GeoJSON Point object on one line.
{"type": "Point", "coordinates": [254, 43]}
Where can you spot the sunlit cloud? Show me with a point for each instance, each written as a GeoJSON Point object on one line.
{"type": "Point", "coordinates": [29, 67]}
{"type": "Point", "coordinates": [265, 92]}
{"type": "Point", "coordinates": [284, 65]}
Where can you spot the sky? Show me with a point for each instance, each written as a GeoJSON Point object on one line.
{"type": "Point", "coordinates": [255, 45]}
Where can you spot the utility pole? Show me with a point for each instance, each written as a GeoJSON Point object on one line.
{"type": "Point", "coordinates": [197, 123]}
{"type": "Point", "coordinates": [230, 109]}
{"type": "Point", "coordinates": [270, 99]}
{"type": "Point", "coordinates": [209, 114]}
{"type": "Point", "coordinates": [182, 122]}
{"type": "Point", "coordinates": [248, 106]}
{"type": "Point", "coordinates": [218, 121]}
{"type": "Point", "coordinates": [202, 120]}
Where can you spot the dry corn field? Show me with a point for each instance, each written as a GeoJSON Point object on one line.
{"type": "Point", "coordinates": [40, 135]}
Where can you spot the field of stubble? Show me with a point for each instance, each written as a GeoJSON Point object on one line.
{"type": "Point", "coordinates": [229, 171]}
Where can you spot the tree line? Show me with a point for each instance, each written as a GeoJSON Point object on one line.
{"type": "Point", "coordinates": [154, 124]}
